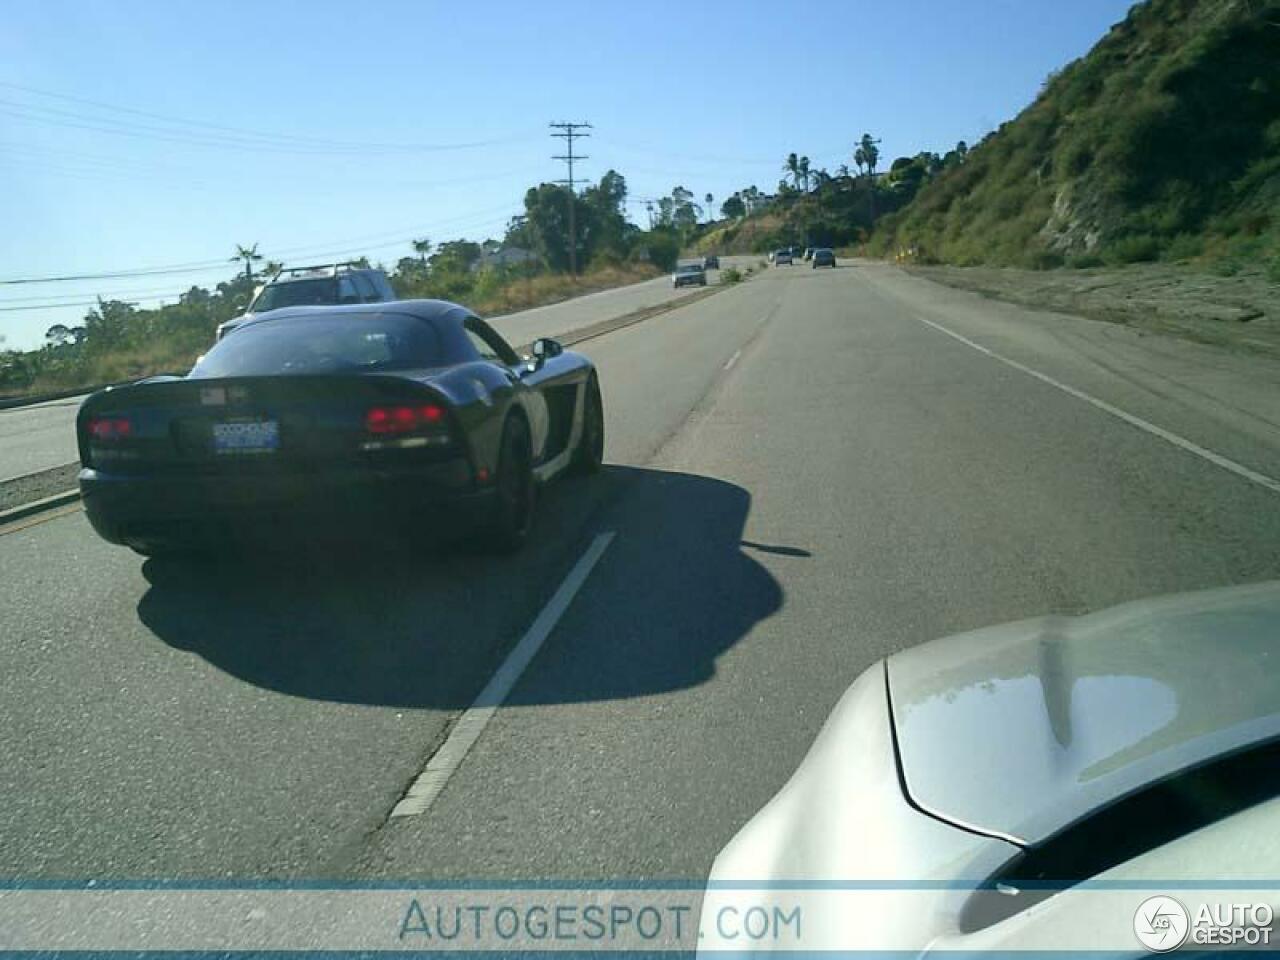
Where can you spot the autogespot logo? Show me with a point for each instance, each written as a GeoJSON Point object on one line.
{"type": "Point", "coordinates": [1161, 924]}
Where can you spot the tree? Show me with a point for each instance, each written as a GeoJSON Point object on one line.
{"type": "Point", "coordinates": [422, 247]}
{"type": "Point", "coordinates": [962, 151]}
{"type": "Point", "coordinates": [59, 335]}
{"type": "Point", "coordinates": [710, 201]}
{"type": "Point", "coordinates": [604, 211]}
{"type": "Point", "coordinates": [519, 233]}
{"type": "Point", "coordinates": [684, 212]}
{"type": "Point", "coordinates": [547, 224]}
{"type": "Point", "coordinates": [734, 207]}
{"type": "Point", "coordinates": [107, 324]}
{"type": "Point", "coordinates": [792, 166]}
{"type": "Point", "coordinates": [249, 255]}
{"type": "Point", "coordinates": [272, 267]}
{"type": "Point", "coordinates": [802, 170]}
{"type": "Point", "coordinates": [609, 196]}
{"type": "Point", "coordinates": [660, 247]}
{"type": "Point", "coordinates": [870, 153]}
{"type": "Point", "coordinates": [455, 256]}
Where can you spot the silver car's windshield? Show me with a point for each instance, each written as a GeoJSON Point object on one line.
{"type": "Point", "coordinates": [297, 293]}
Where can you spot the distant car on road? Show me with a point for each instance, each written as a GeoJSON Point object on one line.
{"type": "Point", "coordinates": [689, 275]}
{"type": "Point", "coordinates": [327, 284]}
{"type": "Point", "coordinates": [711, 262]}
{"type": "Point", "coordinates": [780, 257]}
{"type": "Point", "coordinates": [1006, 764]}
{"type": "Point", "coordinates": [823, 257]}
{"type": "Point", "coordinates": [394, 417]}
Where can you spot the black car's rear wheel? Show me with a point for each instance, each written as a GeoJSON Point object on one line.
{"type": "Point", "coordinates": [514, 493]}
{"type": "Point", "coordinates": [589, 456]}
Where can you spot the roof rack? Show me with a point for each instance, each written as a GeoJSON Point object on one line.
{"type": "Point", "coordinates": [315, 268]}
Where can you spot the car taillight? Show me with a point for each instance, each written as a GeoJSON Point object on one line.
{"type": "Point", "coordinates": [109, 429]}
{"type": "Point", "coordinates": [386, 421]}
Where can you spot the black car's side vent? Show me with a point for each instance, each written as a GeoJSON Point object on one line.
{"type": "Point", "coordinates": [1132, 826]}
{"type": "Point", "coordinates": [560, 404]}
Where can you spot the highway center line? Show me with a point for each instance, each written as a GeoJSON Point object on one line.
{"type": "Point", "coordinates": [424, 790]}
{"type": "Point", "coordinates": [1216, 459]}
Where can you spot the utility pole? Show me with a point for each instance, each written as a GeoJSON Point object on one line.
{"type": "Point", "coordinates": [569, 132]}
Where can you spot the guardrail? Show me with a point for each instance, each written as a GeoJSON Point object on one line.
{"type": "Point", "coordinates": [9, 403]}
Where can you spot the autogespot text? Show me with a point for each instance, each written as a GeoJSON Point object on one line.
{"type": "Point", "coordinates": [618, 924]}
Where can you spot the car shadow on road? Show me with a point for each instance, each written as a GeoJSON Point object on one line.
{"type": "Point", "coordinates": [391, 626]}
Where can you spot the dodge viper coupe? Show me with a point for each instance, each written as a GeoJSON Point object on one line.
{"type": "Point", "coordinates": [400, 412]}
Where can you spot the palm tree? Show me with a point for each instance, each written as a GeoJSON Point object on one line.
{"type": "Point", "coordinates": [710, 209]}
{"type": "Point", "coordinates": [803, 169]}
{"type": "Point", "coordinates": [859, 159]}
{"type": "Point", "coordinates": [248, 255]}
{"type": "Point", "coordinates": [422, 247]}
{"type": "Point", "coordinates": [792, 166]}
{"type": "Point", "coordinates": [870, 152]}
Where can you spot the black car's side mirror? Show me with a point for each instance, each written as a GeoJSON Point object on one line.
{"type": "Point", "coordinates": [544, 348]}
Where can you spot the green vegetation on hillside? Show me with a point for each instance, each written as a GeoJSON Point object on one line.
{"type": "Point", "coordinates": [1163, 142]}
{"type": "Point", "coordinates": [818, 208]}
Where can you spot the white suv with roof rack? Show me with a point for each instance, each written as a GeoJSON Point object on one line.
{"type": "Point", "coordinates": [322, 285]}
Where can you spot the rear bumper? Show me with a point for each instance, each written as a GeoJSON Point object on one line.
{"type": "Point", "coordinates": [141, 510]}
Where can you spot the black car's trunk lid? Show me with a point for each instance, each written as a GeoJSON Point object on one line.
{"type": "Point", "coordinates": [245, 424]}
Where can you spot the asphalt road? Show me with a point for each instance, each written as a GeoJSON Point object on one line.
{"type": "Point", "coordinates": [42, 436]}
{"type": "Point", "coordinates": [806, 472]}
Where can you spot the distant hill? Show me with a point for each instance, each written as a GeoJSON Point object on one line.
{"type": "Point", "coordinates": [1163, 142]}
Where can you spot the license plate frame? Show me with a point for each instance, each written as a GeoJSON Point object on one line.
{"type": "Point", "coordinates": [246, 437]}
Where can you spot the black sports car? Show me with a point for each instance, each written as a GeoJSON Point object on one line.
{"type": "Point", "coordinates": [399, 411]}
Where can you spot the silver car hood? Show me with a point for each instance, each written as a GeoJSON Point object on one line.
{"type": "Point", "coordinates": [1017, 731]}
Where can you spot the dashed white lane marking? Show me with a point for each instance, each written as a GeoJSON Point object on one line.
{"type": "Point", "coordinates": [733, 359]}
{"type": "Point", "coordinates": [471, 724]}
{"type": "Point", "coordinates": [1216, 459]}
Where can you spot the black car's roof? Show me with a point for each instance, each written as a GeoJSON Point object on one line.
{"type": "Point", "coordinates": [440, 311]}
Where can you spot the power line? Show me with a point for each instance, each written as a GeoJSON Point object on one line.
{"type": "Point", "coordinates": [568, 132]}
{"type": "Point", "coordinates": [200, 266]}
{"type": "Point", "coordinates": [5, 306]}
{"type": "Point", "coordinates": [191, 131]}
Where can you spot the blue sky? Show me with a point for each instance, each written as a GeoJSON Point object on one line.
{"type": "Point", "coordinates": [317, 129]}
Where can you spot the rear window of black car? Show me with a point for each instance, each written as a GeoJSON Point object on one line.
{"type": "Point", "coordinates": [342, 343]}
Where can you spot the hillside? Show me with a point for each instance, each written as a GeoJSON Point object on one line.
{"type": "Point", "coordinates": [748, 235]}
{"type": "Point", "coordinates": [1163, 142]}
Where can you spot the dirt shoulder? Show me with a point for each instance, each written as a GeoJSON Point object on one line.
{"type": "Point", "coordinates": [1241, 312]}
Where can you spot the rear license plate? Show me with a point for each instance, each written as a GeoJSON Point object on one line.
{"type": "Point", "coordinates": [246, 436]}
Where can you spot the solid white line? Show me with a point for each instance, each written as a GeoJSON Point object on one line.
{"type": "Point", "coordinates": [471, 724]}
{"type": "Point", "coordinates": [733, 360]}
{"type": "Point", "coordinates": [1216, 459]}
